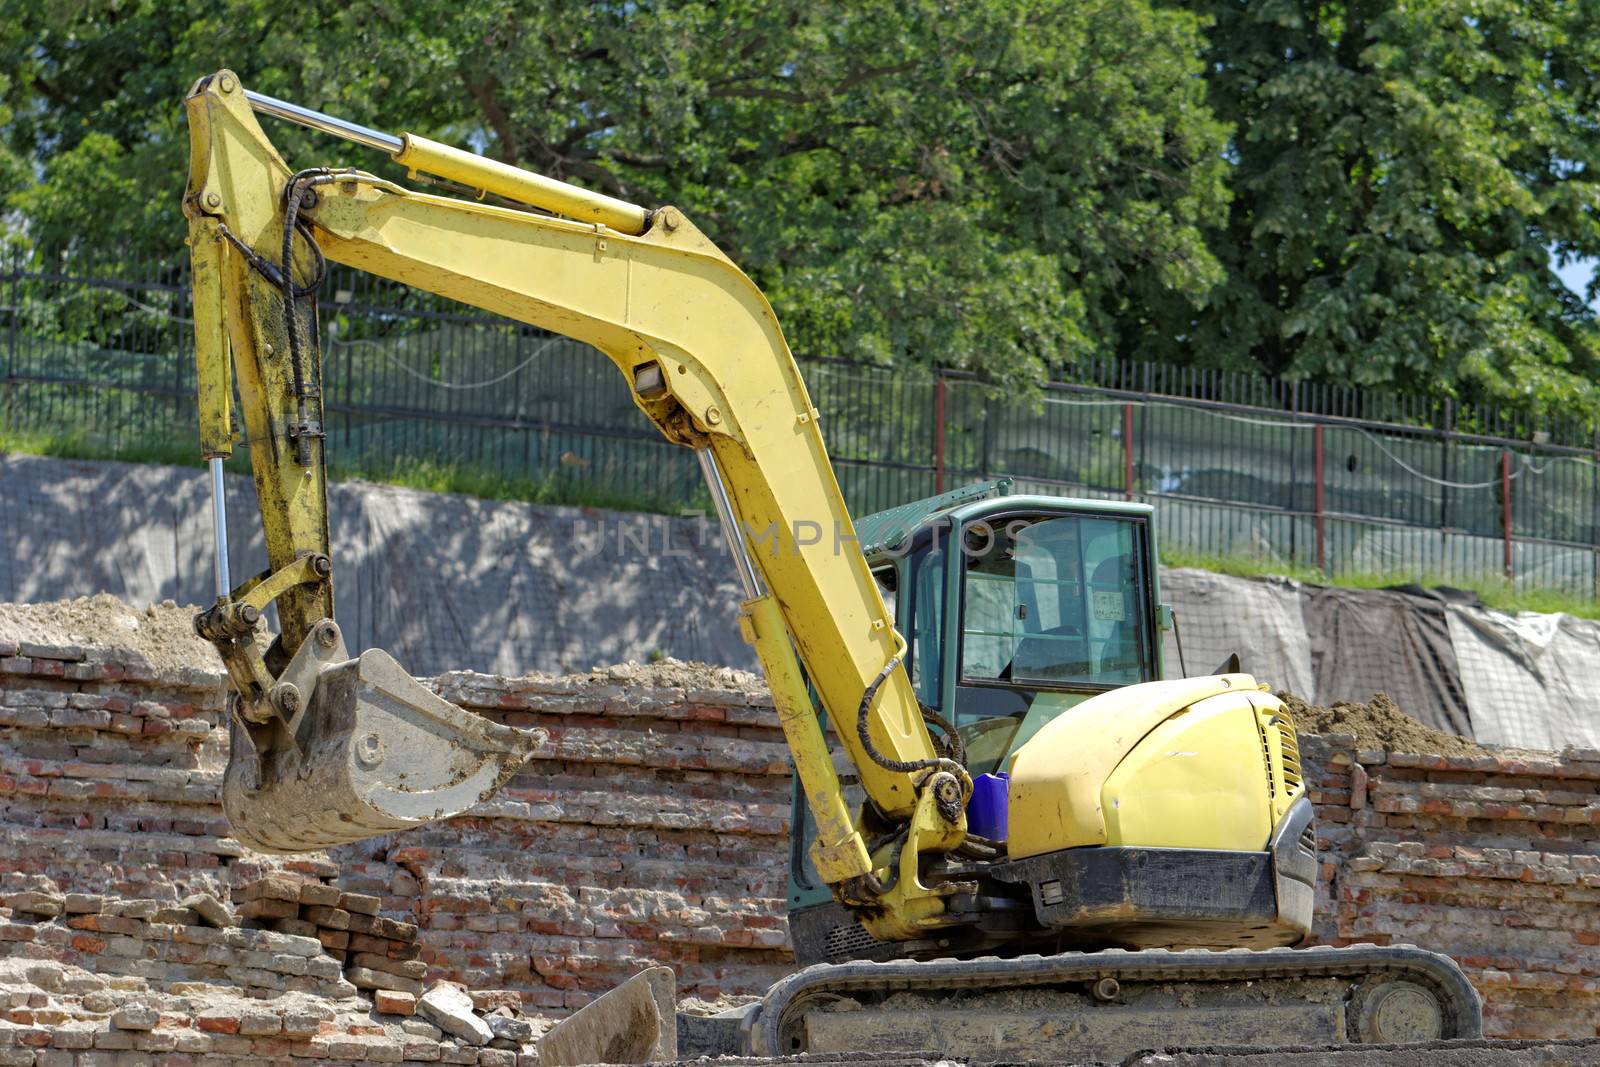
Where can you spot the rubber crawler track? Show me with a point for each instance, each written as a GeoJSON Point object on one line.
{"type": "Point", "coordinates": [1463, 1013]}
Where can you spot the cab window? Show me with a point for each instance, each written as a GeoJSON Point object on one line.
{"type": "Point", "coordinates": [926, 623]}
{"type": "Point", "coordinates": [1054, 602]}
{"type": "Point", "coordinates": [888, 580]}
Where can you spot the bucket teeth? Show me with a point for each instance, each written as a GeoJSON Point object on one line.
{"type": "Point", "coordinates": [373, 752]}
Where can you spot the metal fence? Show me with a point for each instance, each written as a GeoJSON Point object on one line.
{"type": "Point", "coordinates": [1341, 479]}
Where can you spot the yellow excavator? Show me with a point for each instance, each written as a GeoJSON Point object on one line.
{"type": "Point", "coordinates": [1024, 833]}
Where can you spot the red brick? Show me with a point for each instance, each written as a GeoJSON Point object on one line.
{"type": "Point", "coordinates": [391, 1003]}
{"type": "Point", "coordinates": [269, 908]}
{"type": "Point", "coordinates": [272, 887]}
{"type": "Point", "coordinates": [360, 903]}
{"type": "Point", "coordinates": [331, 918]}
{"type": "Point", "coordinates": [318, 894]}
{"type": "Point", "coordinates": [88, 943]}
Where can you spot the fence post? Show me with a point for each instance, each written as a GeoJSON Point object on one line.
{"type": "Point", "coordinates": [1594, 512]}
{"type": "Point", "coordinates": [1127, 451]}
{"type": "Point", "coordinates": [988, 436]}
{"type": "Point", "coordinates": [16, 312]}
{"type": "Point", "coordinates": [1505, 503]}
{"type": "Point", "coordinates": [938, 432]}
{"type": "Point", "coordinates": [1321, 500]}
{"type": "Point", "coordinates": [1293, 506]}
{"type": "Point", "coordinates": [1144, 423]}
{"type": "Point", "coordinates": [1444, 463]}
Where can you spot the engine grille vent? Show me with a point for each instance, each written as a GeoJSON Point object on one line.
{"type": "Point", "coordinates": [1291, 752]}
{"type": "Point", "coordinates": [1266, 761]}
{"type": "Point", "coordinates": [1282, 725]}
{"type": "Point", "coordinates": [847, 941]}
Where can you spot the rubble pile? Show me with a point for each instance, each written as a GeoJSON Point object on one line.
{"type": "Point", "coordinates": [84, 974]}
{"type": "Point", "coordinates": [647, 830]}
{"type": "Point", "coordinates": [377, 953]}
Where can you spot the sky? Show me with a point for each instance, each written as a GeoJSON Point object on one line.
{"type": "Point", "coordinates": [1577, 275]}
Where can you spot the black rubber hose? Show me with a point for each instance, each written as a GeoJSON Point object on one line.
{"type": "Point", "coordinates": [880, 888]}
{"type": "Point", "coordinates": [954, 748]}
{"type": "Point", "coordinates": [294, 192]}
{"type": "Point", "coordinates": [865, 709]}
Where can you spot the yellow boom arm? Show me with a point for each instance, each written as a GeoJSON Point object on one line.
{"type": "Point", "coordinates": [702, 351]}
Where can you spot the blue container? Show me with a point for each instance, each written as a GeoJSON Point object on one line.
{"type": "Point", "coordinates": [986, 811]}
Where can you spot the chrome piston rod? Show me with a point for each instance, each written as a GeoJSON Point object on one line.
{"type": "Point", "coordinates": [316, 120]}
{"type": "Point", "coordinates": [748, 576]}
{"type": "Point", "coordinates": [219, 528]}
{"type": "Point", "coordinates": [465, 168]}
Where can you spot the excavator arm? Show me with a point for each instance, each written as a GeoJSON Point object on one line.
{"type": "Point", "coordinates": [706, 361]}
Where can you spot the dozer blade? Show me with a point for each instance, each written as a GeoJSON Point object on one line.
{"type": "Point", "coordinates": [637, 1022]}
{"type": "Point", "coordinates": [371, 752]}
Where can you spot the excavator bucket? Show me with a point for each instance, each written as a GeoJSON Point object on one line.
{"type": "Point", "coordinates": [371, 752]}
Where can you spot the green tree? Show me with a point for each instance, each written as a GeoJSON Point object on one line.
{"type": "Point", "coordinates": [1004, 186]}
{"type": "Point", "coordinates": [1402, 174]}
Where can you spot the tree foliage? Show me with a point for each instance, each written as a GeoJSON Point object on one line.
{"type": "Point", "coordinates": [991, 184]}
{"type": "Point", "coordinates": [1403, 173]}
{"type": "Point", "coordinates": [1364, 191]}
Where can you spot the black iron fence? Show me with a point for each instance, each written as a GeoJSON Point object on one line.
{"type": "Point", "coordinates": [1342, 479]}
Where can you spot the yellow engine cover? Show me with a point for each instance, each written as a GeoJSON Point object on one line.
{"type": "Point", "coordinates": [1198, 763]}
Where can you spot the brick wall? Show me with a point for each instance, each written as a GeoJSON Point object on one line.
{"type": "Point", "coordinates": [1493, 859]}
{"type": "Point", "coordinates": [652, 828]}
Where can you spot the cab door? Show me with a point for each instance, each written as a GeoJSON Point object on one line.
{"type": "Point", "coordinates": [1053, 608]}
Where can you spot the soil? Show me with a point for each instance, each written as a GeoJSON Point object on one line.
{"type": "Point", "coordinates": [726, 1002]}
{"type": "Point", "coordinates": [675, 674]}
{"type": "Point", "coordinates": [1378, 724]}
{"type": "Point", "coordinates": [161, 634]}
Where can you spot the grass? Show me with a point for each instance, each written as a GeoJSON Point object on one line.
{"type": "Point", "coordinates": [183, 452]}
{"type": "Point", "coordinates": [431, 476]}
{"type": "Point", "coordinates": [1496, 593]}
{"type": "Point", "coordinates": [554, 488]}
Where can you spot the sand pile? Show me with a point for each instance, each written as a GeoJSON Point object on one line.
{"type": "Point", "coordinates": [1378, 724]}
{"type": "Point", "coordinates": [162, 634]}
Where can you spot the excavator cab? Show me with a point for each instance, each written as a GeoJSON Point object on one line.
{"type": "Point", "coordinates": [1014, 608]}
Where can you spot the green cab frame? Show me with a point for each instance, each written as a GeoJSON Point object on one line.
{"type": "Point", "coordinates": [900, 544]}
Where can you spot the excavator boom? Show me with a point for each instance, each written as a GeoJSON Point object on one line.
{"type": "Point", "coordinates": [707, 363]}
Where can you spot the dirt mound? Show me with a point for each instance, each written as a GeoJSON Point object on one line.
{"type": "Point", "coordinates": [1378, 724]}
{"type": "Point", "coordinates": [162, 634]}
{"type": "Point", "coordinates": [675, 674]}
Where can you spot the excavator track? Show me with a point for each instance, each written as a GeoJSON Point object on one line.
{"type": "Point", "coordinates": [1106, 1005]}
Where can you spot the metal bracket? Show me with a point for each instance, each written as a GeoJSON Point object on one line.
{"type": "Point", "coordinates": [231, 623]}
{"type": "Point", "coordinates": [908, 909]}
{"type": "Point", "coordinates": [274, 718]}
